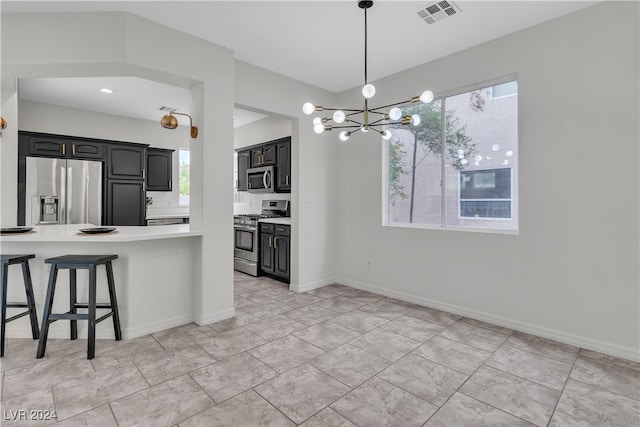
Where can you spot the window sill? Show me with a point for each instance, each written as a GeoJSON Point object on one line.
{"type": "Point", "coordinates": [449, 228]}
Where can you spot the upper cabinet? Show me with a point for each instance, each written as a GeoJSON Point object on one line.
{"type": "Point", "coordinates": [126, 161]}
{"type": "Point", "coordinates": [275, 153]}
{"type": "Point", "coordinates": [283, 166]}
{"type": "Point", "coordinates": [43, 145]}
{"type": "Point", "coordinates": [243, 165]}
{"type": "Point", "coordinates": [263, 156]}
{"type": "Point", "coordinates": [159, 169]}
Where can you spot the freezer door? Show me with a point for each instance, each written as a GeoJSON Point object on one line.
{"type": "Point", "coordinates": [84, 192]}
{"type": "Point", "coordinates": [45, 177]}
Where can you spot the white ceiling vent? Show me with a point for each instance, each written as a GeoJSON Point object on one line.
{"type": "Point", "coordinates": [438, 11]}
{"type": "Point", "coordinates": [169, 109]}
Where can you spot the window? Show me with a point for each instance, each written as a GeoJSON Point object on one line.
{"type": "Point", "coordinates": [457, 168]}
{"type": "Point", "coordinates": [184, 175]}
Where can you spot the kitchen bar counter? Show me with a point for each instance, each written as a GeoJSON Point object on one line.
{"type": "Point", "coordinates": [155, 275]}
{"type": "Point", "coordinates": [70, 233]}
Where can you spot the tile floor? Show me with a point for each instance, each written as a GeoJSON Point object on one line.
{"type": "Point", "coordinates": [334, 356]}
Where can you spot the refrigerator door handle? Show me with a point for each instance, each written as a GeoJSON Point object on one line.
{"type": "Point", "coordinates": [63, 196]}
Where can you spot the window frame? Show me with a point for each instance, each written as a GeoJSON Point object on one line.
{"type": "Point", "coordinates": [442, 226]}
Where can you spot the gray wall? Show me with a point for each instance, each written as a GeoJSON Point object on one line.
{"type": "Point", "coordinates": [572, 272]}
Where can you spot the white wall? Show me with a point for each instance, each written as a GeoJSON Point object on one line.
{"type": "Point", "coordinates": [115, 44]}
{"type": "Point", "coordinates": [55, 119]}
{"type": "Point", "coordinates": [572, 272]}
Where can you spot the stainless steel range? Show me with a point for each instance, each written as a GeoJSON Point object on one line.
{"type": "Point", "coordinates": [246, 250]}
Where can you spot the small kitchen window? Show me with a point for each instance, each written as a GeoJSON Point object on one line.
{"type": "Point", "coordinates": [184, 177]}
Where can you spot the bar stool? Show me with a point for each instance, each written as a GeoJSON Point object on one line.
{"type": "Point", "coordinates": [74, 263]}
{"type": "Point", "coordinates": [8, 260]}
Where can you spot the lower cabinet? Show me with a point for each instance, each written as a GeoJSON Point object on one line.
{"type": "Point", "coordinates": [125, 202]}
{"type": "Point", "coordinates": [275, 250]}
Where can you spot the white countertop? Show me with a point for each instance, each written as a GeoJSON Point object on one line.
{"type": "Point", "coordinates": [70, 233]}
{"type": "Point", "coordinates": [162, 216]}
{"type": "Point", "coordinates": [284, 221]}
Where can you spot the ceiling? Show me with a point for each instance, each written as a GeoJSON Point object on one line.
{"type": "Point", "coordinates": [304, 40]}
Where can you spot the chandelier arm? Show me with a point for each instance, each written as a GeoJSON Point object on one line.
{"type": "Point", "coordinates": [391, 105]}
{"type": "Point", "coordinates": [341, 109]}
{"type": "Point", "coordinates": [346, 127]}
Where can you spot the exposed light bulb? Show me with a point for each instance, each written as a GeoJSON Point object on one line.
{"type": "Point", "coordinates": [509, 153]}
{"type": "Point", "coordinates": [338, 116]}
{"type": "Point", "coordinates": [505, 162]}
{"type": "Point", "coordinates": [386, 135]}
{"type": "Point", "coordinates": [368, 90]}
{"type": "Point", "coordinates": [317, 121]}
{"type": "Point", "coordinates": [495, 147]}
{"type": "Point", "coordinates": [415, 119]}
{"type": "Point", "coordinates": [364, 129]}
{"type": "Point", "coordinates": [395, 113]}
{"type": "Point", "coordinates": [344, 136]}
{"type": "Point", "coordinates": [426, 96]}
{"type": "Point", "coordinates": [308, 108]}
{"type": "Point", "coordinates": [319, 128]}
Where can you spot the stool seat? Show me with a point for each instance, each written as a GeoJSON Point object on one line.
{"type": "Point", "coordinates": [67, 261]}
{"type": "Point", "coordinates": [15, 259]}
{"type": "Point", "coordinates": [8, 260]}
{"type": "Point", "coordinates": [73, 263]}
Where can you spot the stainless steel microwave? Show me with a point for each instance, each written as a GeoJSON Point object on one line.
{"type": "Point", "coordinates": [261, 180]}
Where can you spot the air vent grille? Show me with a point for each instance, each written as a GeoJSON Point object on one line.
{"type": "Point", "coordinates": [438, 11]}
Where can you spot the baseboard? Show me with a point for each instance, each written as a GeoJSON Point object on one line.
{"type": "Point", "coordinates": [611, 349]}
{"type": "Point", "coordinates": [304, 287]}
{"type": "Point", "coordinates": [216, 317]}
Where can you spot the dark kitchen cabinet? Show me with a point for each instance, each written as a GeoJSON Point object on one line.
{"type": "Point", "coordinates": [43, 145]}
{"type": "Point", "coordinates": [263, 156]}
{"type": "Point", "coordinates": [159, 169]}
{"type": "Point", "coordinates": [283, 166]}
{"type": "Point", "coordinates": [126, 161]}
{"type": "Point", "coordinates": [243, 165]}
{"type": "Point", "coordinates": [125, 202]}
{"type": "Point", "coordinates": [275, 250]}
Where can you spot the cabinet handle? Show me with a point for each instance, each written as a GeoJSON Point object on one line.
{"type": "Point", "coordinates": [63, 149]}
{"type": "Point", "coordinates": [142, 173]}
{"type": "Point", "coordinates": [275, 242]}
{"type": "Point", "coordinates": [270, 240]}
{"type": "Point", "coordinates": [143, 187]}
{"type": "Point", "coordinates": [73, 149]}
{"type": "Point", "coordinates": [286, 179]}
{"type": "Point", "coordinates": [169, 183]}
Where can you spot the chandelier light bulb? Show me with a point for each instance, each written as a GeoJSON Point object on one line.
{"type": "Point", "coordinates": [386, 135]}
{"type": "Point", "coordinates": [308, 108]}
{"type": "Point", "coordinates": [415, 119]}
{"type": "Point", "coordinates": [317, 121]}
{"type": "Point", "coordinates": [426, 96]}
{"type": "Point", "coordinates": [368, 91]}
{"type": "Point", "coordinates": [338, 116]}
{"type": "Point", "coordinates": [364, 129]}
{"type": "Point", "coordinates": [344, 136]}
{"type": "Point", "coordinates": [395, 113]}
{"type": "Point", "coordinates": [319, 128]}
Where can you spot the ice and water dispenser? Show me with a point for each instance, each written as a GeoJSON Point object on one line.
{"type": "Point", "coordinates": [45, 210]}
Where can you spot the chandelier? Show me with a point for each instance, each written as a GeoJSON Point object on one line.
{"type": "Point", "coordinates": [366, 119]}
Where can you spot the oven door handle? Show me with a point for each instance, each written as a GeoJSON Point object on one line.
{"type": "Point", "coordinates": [245, 228]}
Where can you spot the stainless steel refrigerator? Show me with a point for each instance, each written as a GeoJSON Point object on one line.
{"type": "Point", "coordinates": [60, 191]}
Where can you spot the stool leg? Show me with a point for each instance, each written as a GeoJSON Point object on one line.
{"type": "Point", "coordinates": [5, 273]}
{"type": "Point", "coordinates": [48, 303]}
{"type": "Point", "coordinates": [114, 301]}
{"type": "Point", "coordinates": [91, 345]}
{"type": "Point", "coordinates": [72, 302]}
{"type": "Point", "coordinates": [28, 286]}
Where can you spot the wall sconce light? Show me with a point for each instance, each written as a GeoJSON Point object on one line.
{"type": "Point", "coordinates": [170, 122]}
{"type": "Point", "coordinates": [3, 123]}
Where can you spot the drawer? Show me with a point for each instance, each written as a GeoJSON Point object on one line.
{"type": "Point", "coordinates": [266, 227]}
{"type": "Point", "coordinates": [282, 230]}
